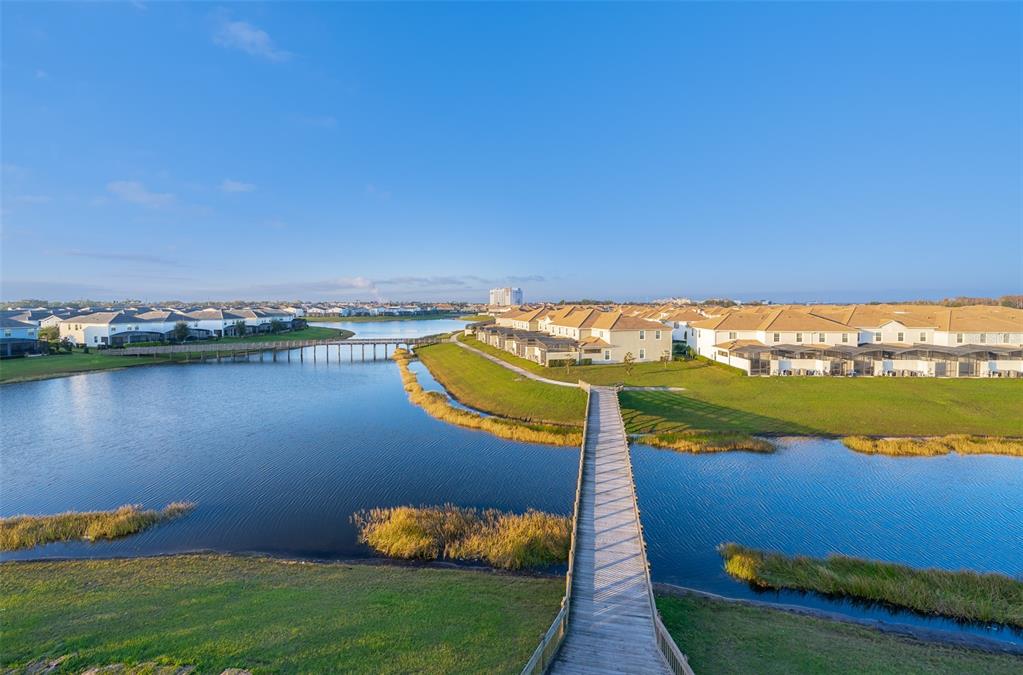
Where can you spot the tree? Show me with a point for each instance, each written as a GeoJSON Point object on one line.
{"type": "Point", "coordinates": [239, 327]}
{"type": "Point", "coordinates": [49, 333]}
{"type": "Point", "coordinates": [666, 358]}
{"type": "Point", "coordinates": [629, 360]}
{"type": "Point", "coordinates": [180, 331]}
{"type": "Point", "coordinates": [276, 326]}
{"type": "Point", "coordinates": [66, 344]}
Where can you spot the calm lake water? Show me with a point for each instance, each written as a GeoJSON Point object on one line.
{"type": "Point", "coordinates": [279, 455]}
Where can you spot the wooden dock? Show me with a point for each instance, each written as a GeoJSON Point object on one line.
{"type": "Point", "coordinates": [214, 349]}
{"type": "Point", "coordinates": [608, 622]}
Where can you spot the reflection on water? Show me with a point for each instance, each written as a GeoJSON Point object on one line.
{"type": "Point", "coordinates": [277, 455]}
{"type": "Point", "coordinates": [815, 497]}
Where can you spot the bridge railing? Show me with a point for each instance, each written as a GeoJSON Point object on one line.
{"type": "Point", "coordinates": [673, 656]}
{"type": "Point", "coordinates": [265, 345]}
{"type": "Point", "coordinates": [547, 650]}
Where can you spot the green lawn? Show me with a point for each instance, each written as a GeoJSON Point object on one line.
{"type": "Point", "coordinates": [719, 398]}
{"type": "Point", "coordinates": [57, 365]}
{"type": "Point", "coordinates": [724, 637]}
{"type": "Point", "coordinates": [218, 612]}
{"type": "Point", "coordinates": [486, 386]}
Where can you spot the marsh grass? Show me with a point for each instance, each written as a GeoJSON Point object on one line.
{"type": "Point", "coordinates": [20, 532]}
{"type": "Point", "coordinates": [505, 540]}
{"type": "Point", "coordinates": [708, 441]}
{"type": "Point", "coordinates": [437, 405]}
{"type": "Point", "coordinates": [963, 595]}
{"type": "Point", "coordinates": [936, 445]}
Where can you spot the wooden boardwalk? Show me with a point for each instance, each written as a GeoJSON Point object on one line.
{"type": "Point", "coordinates": [608, 619]}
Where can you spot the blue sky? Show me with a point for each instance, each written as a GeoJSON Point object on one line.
{"type": "Point", "coordinates": [791, 151]}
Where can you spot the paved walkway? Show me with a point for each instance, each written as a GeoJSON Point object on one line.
{"type": "Point", "coordinates": [501, 362]}
{"type": "Point", "coordinates": [611, 621]}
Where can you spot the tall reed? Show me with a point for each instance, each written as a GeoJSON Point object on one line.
{"type": "Point", "coordinates": [19, 532]}
{"type": "Point", "coordinates": [708, 441]}
{"type": "Point", "coordinates": [936, 445]}
{"type": "Point", "coordinates": [438, 406]}
{"type": "Point", "coordinates": [965, 595]}
{"type": "Point", "coordinates": [505, 540]}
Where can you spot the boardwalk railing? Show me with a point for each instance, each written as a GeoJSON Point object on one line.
{"type": "Point", "coordinates": [673, 656]}
{"type": "Point", "coordinates": [265, 345]}
{"type": "Point", "coordinates": [551, 641]}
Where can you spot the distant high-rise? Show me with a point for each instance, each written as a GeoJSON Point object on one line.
{"type": "Point", "coordinates": [503, 297]}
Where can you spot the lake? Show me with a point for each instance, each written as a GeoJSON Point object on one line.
{"type": "Point", "coordinates": [279, 455]}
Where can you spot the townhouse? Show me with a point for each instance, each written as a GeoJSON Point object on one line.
{"type": "Point", "coordinates": [119, 327]}
{"type": "Point", "coordinates": [19, 338]}
{"type": "Point", "coordinates": [876, 340]}
{"type": "Point", "coordinates": [550, 336]}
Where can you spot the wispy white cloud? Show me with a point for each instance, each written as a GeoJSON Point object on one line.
{"type": "Point", "coordinates": [33, 199]}
{"type": "Point", "coordinates": [136, 193]}
{"type": "Point", "coordinates": [125, 257]}
{"type": "Point", "coordinates": [254, 41]}
{"type": "Point", "coordinates": [41, 74]}
{"type": "Point", "coordinates": [229, 185]}
{"type": "Point", "coordinates": [377, 192]}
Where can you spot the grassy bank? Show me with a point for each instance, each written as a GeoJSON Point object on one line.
{"type": "Point", "coordinates": [377, 319]}
{"type": "Point", "coordinates": [59, 365]}
{"type": "Point", "coordinates": [437, 405]}
{"type": "Point", "coordinates": [717, 398]}
{"type": "Point", "coordinates": [504, 540]}
{"type": "Point", "coordinates": [958, 595]}
{"type": "Point", "coordinates": [477, 318]}
{"type": "Point", "coordinates": [218, 612]}
{"type": "Point", "coordinates": [728, 638]}
{"type": "Point", "coordinates": [20, 532]}
{"type": "Point", "coordinates": [487, 386]}
{"type": "Point", "coordinates": [708, 441]}
{"type": "Point", "coordinates": [942, 445]}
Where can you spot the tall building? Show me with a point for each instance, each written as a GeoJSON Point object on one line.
{"type": "Point", "coordinates": [503, 297]}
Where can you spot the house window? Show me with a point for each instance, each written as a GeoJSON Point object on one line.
{"type": "Point", "coordinates": [731, 335]}
{"type": "Point", "coordinates": [777, 337]}
{"type": "Point", "coordinates": [642, 354]}
{"type": "Point", "coordinates": [983, 337]}
{"type": "Point", "coordinates": [799, 337]}
{"type": "Point", "coordinates": [820, 337]}
{"type": "Point", "coordinates": [657, 335]}
{"type": "Point", "coordinates": [607, 354]}
{"type": "Point", "coordinates": [877, 337]}
{"type": "Point", "coordinates": [923, 337]}
{"type": "Point", "coordinates": [959, 338]}
{"type": "Point", "coordinates": [845, 337]}
{"type": "Point", "coordinates": [901, 337]}
{"type": "Point", "coordinates": [642, 335]}
{"type": "Point", "coordinates": [1005, 337]}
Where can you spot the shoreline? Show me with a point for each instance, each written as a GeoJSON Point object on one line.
{"type": "Point", "coordinates": [962, 640]}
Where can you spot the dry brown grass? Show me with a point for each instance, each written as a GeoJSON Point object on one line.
{"type": "Point", "coordinates": [708, 441]}
{"type": "Point", "coordinates": [19, 532]}
{"type": "Point", "coordinates": [505, 540]}
{"type": "Point", "coordinates": [437, 405]}
{"type": "Point", "coordinates": [936, 445]}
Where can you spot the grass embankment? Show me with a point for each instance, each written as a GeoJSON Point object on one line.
{"type": "Point", "coordinates": [964, 595]}
{"type": "Point", "coordinates": [20, 532]}
{"type": "Point", "coordinates": [728, 638]}
{"type": "Point", "coordinates": [505, 540]}
{"type": "Point", "coordinates": [487, 386]}
{"type": "Point", "coordinates": [718, 398]}
{"type": "Point", "coordinates": [218, 612]}
{"type": "Point", "coordinates": [942, 445]}
{"type": "Point", "coordinates": [477, 318]}
{"type": "Point", "coordinates": [708, 441]}
{"type": "Point", "coordinates": [437, 405]}
{"type": "Point", "coordinates": [59, 365]}
{"type": "Point", "coordinates": [379, 319]}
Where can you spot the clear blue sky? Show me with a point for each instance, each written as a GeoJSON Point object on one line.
{"type": "Point", "coordinates": [791, 151]}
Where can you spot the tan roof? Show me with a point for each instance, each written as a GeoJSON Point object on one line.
{"type": "Point", "coordinates": [593, 341]}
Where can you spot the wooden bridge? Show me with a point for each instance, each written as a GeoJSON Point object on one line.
{"type": "Point", "coordinates": [203, 351]}
{"type": "Point", "coordinates": [608, 622]}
